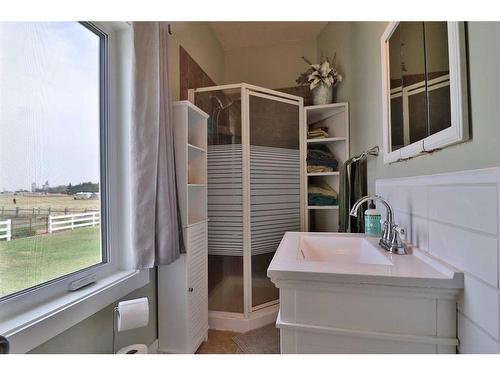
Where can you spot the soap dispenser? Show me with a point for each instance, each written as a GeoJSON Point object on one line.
{"type": "Point", "coordinates": [372, 220]}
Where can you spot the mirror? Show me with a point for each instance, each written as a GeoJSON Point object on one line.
{"type": "Point", "coordinates": [438, 76]}
{"type": "Point", "coordinates": [418, 92]}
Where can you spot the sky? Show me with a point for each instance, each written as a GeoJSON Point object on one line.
{"type": "Point", "coordinates": [49, 104]}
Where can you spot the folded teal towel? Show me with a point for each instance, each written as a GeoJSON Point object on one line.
{"type": "Point", "coordinates": [315, 199]}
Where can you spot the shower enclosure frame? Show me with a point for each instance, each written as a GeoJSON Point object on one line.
{"type": "Point", "coordinates": [264, 313]}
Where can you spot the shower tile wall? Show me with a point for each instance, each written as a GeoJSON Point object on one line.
{"type": "Point", "coordinates": [274, 186]}
{"type": "Point", "coordinates": [273, 124]}
{"type": "Point", "coordinates": [191, 74]}
{"type": "Point", "coordinates": [302, 91]}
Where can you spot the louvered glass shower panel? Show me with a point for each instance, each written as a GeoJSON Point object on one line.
{"type": "Point", "coordinates": [274, 185]}
{"type": "Point", "coordinates": [225, 207]}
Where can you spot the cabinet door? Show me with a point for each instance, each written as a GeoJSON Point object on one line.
{"type": "Point", "coordinates": [197, 255]}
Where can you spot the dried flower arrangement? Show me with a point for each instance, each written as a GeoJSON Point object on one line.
{"type": "Point", "coordinates": [323, 73]}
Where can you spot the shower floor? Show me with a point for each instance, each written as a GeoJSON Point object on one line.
{"type": "Point", "coordinates": [225, 275]}
{"type": "Point", "coordinates": [227, 295]}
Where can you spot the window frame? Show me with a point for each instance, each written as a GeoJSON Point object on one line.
{"type": "Point", "coordinates": [104, 125]}
{"type": "Point", "coordinates": [103, 175]}
{"type": "Point", "coordinates": [114, 278]}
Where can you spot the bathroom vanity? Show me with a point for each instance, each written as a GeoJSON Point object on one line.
{"type": "Point", "coordinates": [342, 293]}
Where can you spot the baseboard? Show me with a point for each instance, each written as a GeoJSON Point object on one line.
{"type": "Point", "coordinates": [224, 321]}
{"type": "Point", "coordinates": [153, 348]}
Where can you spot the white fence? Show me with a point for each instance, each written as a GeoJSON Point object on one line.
{"type": "Point", "coordinates": [63, 222]}
{"type": "Point", "coordinates": [5, 230]}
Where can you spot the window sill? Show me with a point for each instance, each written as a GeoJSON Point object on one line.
{"type": "Point", "coordinates": [32, 328]}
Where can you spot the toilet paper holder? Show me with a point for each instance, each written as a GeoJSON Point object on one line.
{"type": "Point", "coordinates": [141, 307]}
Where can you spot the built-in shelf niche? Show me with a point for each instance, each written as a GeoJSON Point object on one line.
{"type": "Point", "coordinates": [197, 166]}
{"type": "Point", "coordinates": [334, 117]}
{"type": "Point", "coordinates": [191, 161]}
{"type": "Point", "coordinates": [197, 135]}
{"type": "Point", "coordinates": [339, 150]}
{"type": "Point", "coordinates": [331, 116]}
{"type": "Point", "coordinates": [197, 204]}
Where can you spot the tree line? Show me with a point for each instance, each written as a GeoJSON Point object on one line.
{"type": "Point", "coordinates": [87, 187]}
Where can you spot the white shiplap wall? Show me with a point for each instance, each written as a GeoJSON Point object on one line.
{"type": "Point", "coordinates": [455, 217]}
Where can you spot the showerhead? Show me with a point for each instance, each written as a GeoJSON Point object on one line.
{"type": "Point", "coordinates": [221, 105]}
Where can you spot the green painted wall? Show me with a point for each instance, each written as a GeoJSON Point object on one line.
{"type": "Point", "coordinates": [95, 334]}
{"type": "Point", "coordinates": [358, 52]}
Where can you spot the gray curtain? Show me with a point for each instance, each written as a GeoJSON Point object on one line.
{"type": "Point", "coordinates": [157, 235]}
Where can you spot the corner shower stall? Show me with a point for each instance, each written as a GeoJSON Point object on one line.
{"type": "Point", "coordinates": [255, 195]}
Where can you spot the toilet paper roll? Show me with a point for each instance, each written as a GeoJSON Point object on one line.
{"type": "Point", "coordinates": [134, 349]}
{"type": "Point", "coordinates": [133, 314]}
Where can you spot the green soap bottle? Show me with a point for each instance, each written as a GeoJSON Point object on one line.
{"type": "Point", "coordinates": [372, 220]}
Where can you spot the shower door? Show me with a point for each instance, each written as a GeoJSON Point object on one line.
{"type": "Point", "coordinates": [273, 149]}
{"type": "Point", "coordinates": [225, 199]}
{"type": "Point", "coordinates": [254, 191]}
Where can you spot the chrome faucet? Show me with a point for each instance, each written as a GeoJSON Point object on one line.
{"type": "Point", "coordinates": [391, 233]}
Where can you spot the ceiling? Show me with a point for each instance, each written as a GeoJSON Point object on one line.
{"type": "Point", "coordinates": [249, 34]}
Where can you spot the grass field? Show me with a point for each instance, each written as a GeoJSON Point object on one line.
{"type": "Point", "coordinates": [26, 262]}
{"type": "Point", "coordinates": [55, 202]}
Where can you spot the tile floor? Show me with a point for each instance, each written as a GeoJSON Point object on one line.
{"type": "Point", "coordinates": [219, 342]}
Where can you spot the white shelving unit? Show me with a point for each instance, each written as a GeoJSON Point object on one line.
{"type": "Point", "coordinates": [326, 140]}
{"type": "Point", "coordinates": [183, 285]}
{"type": "Point", "coordinates": [335, 117]}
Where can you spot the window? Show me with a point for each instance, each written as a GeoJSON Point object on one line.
{"type": "Point", "coordinates": [52, 152]}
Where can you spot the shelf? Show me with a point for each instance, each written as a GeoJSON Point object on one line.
{"type": "Point", "coordinates": [196, 203]}
{"type": "Point", "coordinates": [197, 166]}
{"type": "Point", "coordinates": [334, 118]}
{"type": "Point", "coordinates": [193, 147]}
{"type": "Point", "coordinates": [190, 138]}
{"type": "Point", "coordinates": [323, 174]}
{"type": "Point", "coordinates": [191, 107]}
{"type": "Point", "coordinates": [316, 113]}
{"type": "Point", "coordinates": [322, 207]}
{"type": "Point", "coordinates": [326, 140]}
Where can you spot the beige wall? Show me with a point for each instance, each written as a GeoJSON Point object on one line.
{"type": "Point", "coordinates": [363, 91]}
{"type": "Point", "coordinates": [271, 66]}
{"type": "Point", "coordinates": [336, 38]}
{"type": "Point", "coordinates": [199, 40]}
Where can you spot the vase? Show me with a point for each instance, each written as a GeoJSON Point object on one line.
{"type": "Point", "coordinates": [322, 94]}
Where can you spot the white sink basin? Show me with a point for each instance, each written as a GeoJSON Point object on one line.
{"type": "Point", "coordinates": [342, 293]}
{"type": "Point", "coordinates": [341, 249]}
{"type": "Point", "coordinates": [356, 258]}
